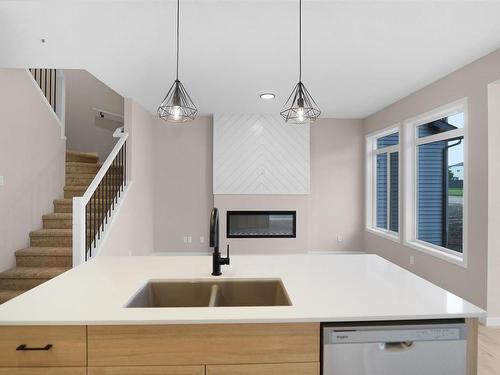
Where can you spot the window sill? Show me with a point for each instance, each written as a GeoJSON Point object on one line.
{"type": "Point", "coordinates": [393, 236]}
{"type": "Point", "coordinates": [459, 260]}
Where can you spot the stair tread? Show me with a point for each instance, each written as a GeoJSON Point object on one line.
{"type": "Point", "coordinates": [63, 200]}
{"type": "Point", "coordinates": [58, 216]}
{"type": "Point", "coordinates": [33, 272]}
{"type": "Point", "coordinates": [45, 251]}
{"type": "Point", "coordinates": [82, 153]}
{"type": "Point", "coordinates": [51, 233]}
{"type": "Point", "coordinates": [75, 187]}
{"type": "Point", "coordinates": [80, 174]}
{"type": "Point", "coordinates": [6, 295]}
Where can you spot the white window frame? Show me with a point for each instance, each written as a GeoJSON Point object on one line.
{"type": "Point", "coordinates": [371, 182]}
{"type": "Point", "coordinates": [411, 143]}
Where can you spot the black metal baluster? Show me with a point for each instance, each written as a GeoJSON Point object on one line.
{"type": "Point", "coordinates": [101, 207]}
{"type": "Point", "coordinates": [92, 233]}
{"type": "Point", "coordinates": [85, 228]}
{"type": "Point", "coordinates": [88, 227]}
{"type": "Point", "coordinates": [55, 90]}
{"type": "Point", "coordinates": [45, 82]}
{"type": "Point", "coordinates": [99, 215]}
{"type": "Point", "coordinates": [50, 88]}
{"type": "Point", "coordinates": [125, 169]}
{"type": "Point", "coordinates": [118, 171]}
{"type": "Point", "coordinates": [114, 182]}
{"type": "Point", "coordinates": [106, 183]}
{"type": "Point", "coordinates": [123, 163]}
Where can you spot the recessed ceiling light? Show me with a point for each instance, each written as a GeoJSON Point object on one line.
{"type": "Point", "coordinates": [267, 95]}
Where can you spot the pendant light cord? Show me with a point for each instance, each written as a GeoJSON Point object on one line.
{"type": "Point", "coordinates": [300, 40]}
{"type": "Point", "coordinates": [178, 16]}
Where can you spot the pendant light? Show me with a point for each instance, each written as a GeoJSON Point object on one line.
{"type": "Point", "coordinates": [177, 105]}
{"type": "Point", "coordinates": [300, 107]}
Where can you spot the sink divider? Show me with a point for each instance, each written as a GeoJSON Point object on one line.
{"type": "Point", "coordinates": [214, 294]}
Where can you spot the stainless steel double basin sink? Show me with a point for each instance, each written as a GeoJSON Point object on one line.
{"type": "Point", "coordinates": [211, 293]}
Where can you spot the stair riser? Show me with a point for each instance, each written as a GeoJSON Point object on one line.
{"type": "Point", "coordinates": [62, 208]}
{"type": "Point", "coordinates": [20, 284]}
{"type": "Point", "coordinates": [44, 261]}
{"type": "Point", "coordinates": [77, 169]}
{"type": "Point", "coordinates": [51, 241]}
{"type": "Point", "coordinates": [78, 180]}
{"type": "Point", "coordinates": [73, 193]}
{"type": "Point", "coordinates": [81, 159]}
{"type": "Point", "coordinates": [68, 194]}
{"type": "Point", "coordinates": [57, 224]}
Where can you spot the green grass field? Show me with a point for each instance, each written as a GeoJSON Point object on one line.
{"type": "Point", "coordinates": [456, 192]}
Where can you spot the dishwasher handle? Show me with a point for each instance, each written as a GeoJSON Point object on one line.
{"type": "Point", "coordinates": [395, 347]}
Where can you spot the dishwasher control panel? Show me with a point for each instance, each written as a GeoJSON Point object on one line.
{"type": "Point", "coordinates": [337, 335]}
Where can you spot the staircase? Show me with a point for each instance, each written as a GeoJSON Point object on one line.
{"type": "Point", "coordinates": [50, 251]}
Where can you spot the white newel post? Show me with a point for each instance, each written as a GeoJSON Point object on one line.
{"type": "Point", "coordinates": [78, 231]}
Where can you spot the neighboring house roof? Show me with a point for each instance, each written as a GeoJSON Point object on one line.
{"type": "Point", "coordinates": [461, 164]}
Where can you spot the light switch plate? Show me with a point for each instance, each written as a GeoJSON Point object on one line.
{"type": "Point", "coordinates": [2, 181]}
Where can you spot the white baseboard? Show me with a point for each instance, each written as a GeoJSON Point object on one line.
{"type": "Point", "coordinates": [490, 322]}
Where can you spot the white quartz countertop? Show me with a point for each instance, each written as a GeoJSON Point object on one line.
{"type": "Point", "coordinates": [322, 288]}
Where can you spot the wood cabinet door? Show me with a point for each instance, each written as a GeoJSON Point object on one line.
{"type": "Point", "coordinates": [55, 346]}
{"type": "Point", "coordinates": [43, 371]}
{"type": "Point", "coordinates": [164, 345]}
{"type": "Point", "coordinates": [265, 369]}
{"type": "Point", "coordinates": [148, 370]}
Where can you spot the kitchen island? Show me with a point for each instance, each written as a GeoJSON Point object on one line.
{"type": "Point", "coordinates": [89, 304]}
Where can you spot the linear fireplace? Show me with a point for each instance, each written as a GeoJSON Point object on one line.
{"type": "Point", "coordinates": [261, 224]}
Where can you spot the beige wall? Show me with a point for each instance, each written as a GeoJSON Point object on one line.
{"type": "Point", "coordinates": [183, 191]}
{"type": "Point", "coordinates": [84, 133]}
{"type": "Point", "coordinates": [470, 81]}
{"type": "Point", "coordinates": [183, 184]}
{"type": "Point", "coordinates": [31, 161]}
{"type": "Point", "coordinates": [131, 232]}
{"type": "Point", "coordinates": [494, 201]}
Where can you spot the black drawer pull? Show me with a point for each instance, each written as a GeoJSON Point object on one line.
{"type": "Point", "coordinates": [24, 347]}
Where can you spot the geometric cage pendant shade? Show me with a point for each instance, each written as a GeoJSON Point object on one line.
{"type": "Point", "coordinates": [300, 106]}
{"type": "Point", "coordinates": [177, 105]}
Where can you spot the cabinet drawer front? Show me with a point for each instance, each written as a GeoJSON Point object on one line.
{"type": "Point", "coordinates": [148, 370]}
{"type": "Point", "coordinates": [202, 344]}
{"type": "Point", "coordinates": [62, 346]}
{"type": "Point", "coordinates": [265, 369]}
{"type": "Point", "coordinates": [43, 371]}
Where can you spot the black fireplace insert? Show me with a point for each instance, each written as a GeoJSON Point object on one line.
{"type": "Point", "coordinates": [261, 224]}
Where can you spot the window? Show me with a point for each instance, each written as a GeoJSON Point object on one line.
{"type": "Point", "coordinates": [383, 182]}
{"type": "Point", "coordinates": [436, 182]}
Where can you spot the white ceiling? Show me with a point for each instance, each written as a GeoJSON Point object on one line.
{"type": "Point", "coordinates": [359, 56]}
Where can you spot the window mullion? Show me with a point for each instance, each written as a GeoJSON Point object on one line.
{"type": "Point", "coordinates": [388, 208]}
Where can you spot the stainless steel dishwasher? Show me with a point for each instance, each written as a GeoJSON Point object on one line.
{"type": "Point", "coordinates": [413, 349]}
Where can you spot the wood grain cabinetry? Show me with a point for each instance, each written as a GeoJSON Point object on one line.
{"type": "Point", "coordinates": [42, 346]}
{"type": "Point", "coordinates": [43, 371]}
{"type": "Point", "coordinates": [265, 369]}
{"type": "Point", "coordinates": [148, 370]}
{"type": "Point", "coordinates": [202, 344]}
{"type": "Point", "coordinates": [207, 349]}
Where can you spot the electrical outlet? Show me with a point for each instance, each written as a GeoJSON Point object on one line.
{"type": "Point", "coordinates": [2, 181]}
{"type": "Point", "coordinates": [185, 239]}
{"type": "Point", "coordinates": [340, 238]}
{"type": "Point", "coordinates": [412, 260]}
{"type": "Point", "coordinates": [190, 239]}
